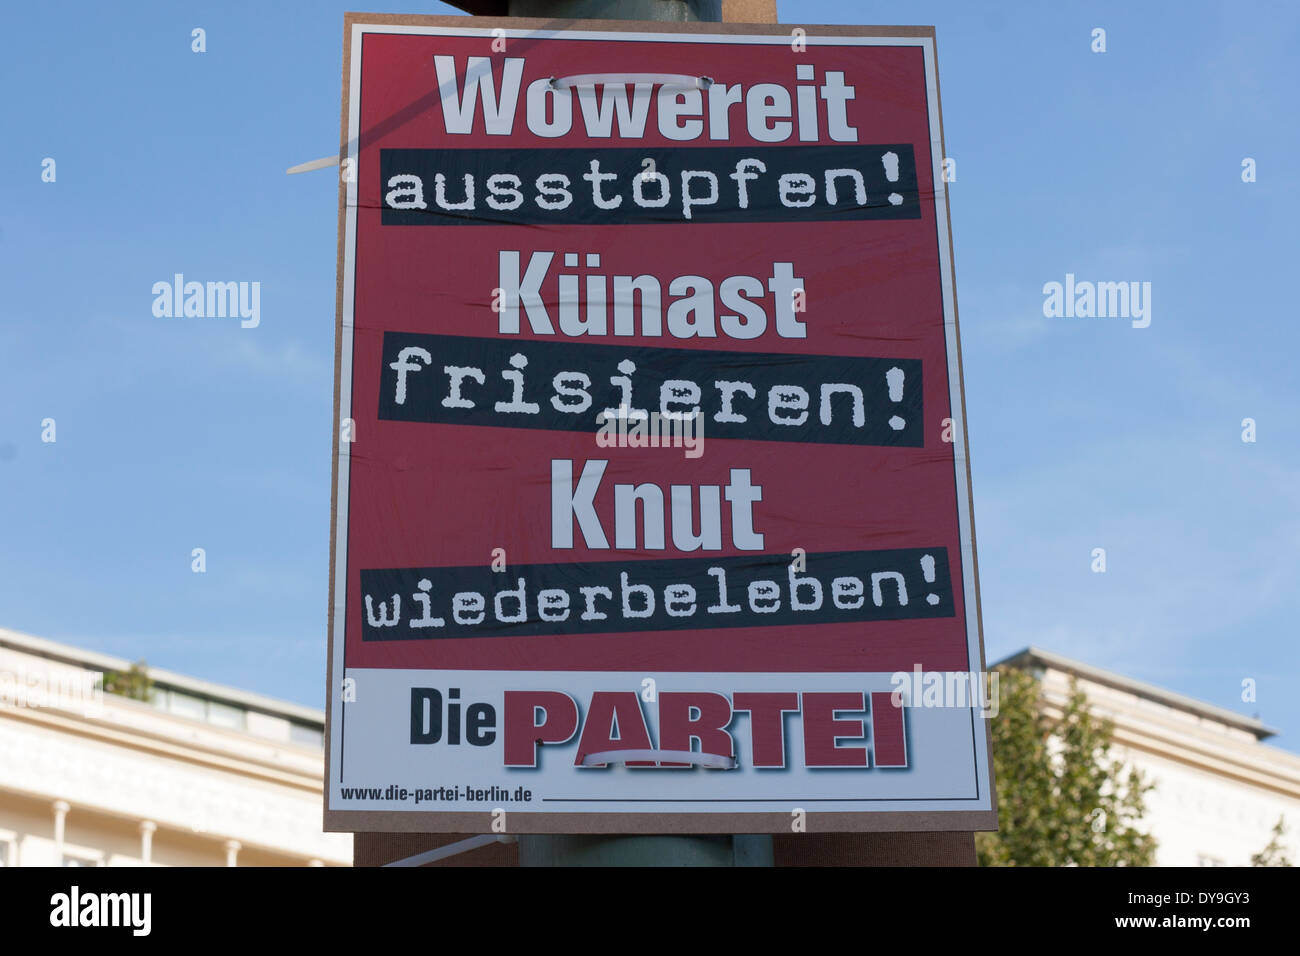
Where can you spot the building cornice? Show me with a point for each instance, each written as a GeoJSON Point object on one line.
{"type": "Point", "coordinates": [1032, 657]}
{"type": "Point", "coordinates": [159, 745]}
{"type": "Point", "coordinates": [93, 660]}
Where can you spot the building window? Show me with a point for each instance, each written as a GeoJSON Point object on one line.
{"type": "Point", "coordinates": [5, 858]}
{"type": "Point", "coordinates": [223, 715]}
{"type": "Point", "coordinates": [186, 705]}
{"type": "Point", "coordinates": [205, 709]}
{"type": "Point", "coordinates": [305, 735]}
{"type": "Point", "coordinates": [75, 859]}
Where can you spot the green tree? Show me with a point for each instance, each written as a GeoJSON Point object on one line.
{"type": "Point", "coordinates": [134, 682]}
{"type": "Point", "coordinates": [1063, 799]}
{"type": "Point", "coordinates": [1274, 854]}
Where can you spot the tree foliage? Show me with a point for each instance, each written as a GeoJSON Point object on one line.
{"type": "Point", "coordinates": [1063, 798]}
{"type": "Point", "coordinates": [1274, 853]}
{"type": "Point", "coordinates": [134, 682]}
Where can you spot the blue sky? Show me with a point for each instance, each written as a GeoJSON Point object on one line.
{"type": "Point", "coordinates": [1084, 433]}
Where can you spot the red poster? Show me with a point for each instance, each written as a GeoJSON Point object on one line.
{"type": "Point", "coordinates": [652, 501]}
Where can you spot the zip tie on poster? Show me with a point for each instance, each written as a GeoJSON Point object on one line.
{"type": "Point", "coordinates": [321, 163]}
{"type": "Point", "coordinates": [667, 80]}
{"type": "Point", "coordinates": [712, 761]}
{"type": "Point", "coordinates": [451, 849]}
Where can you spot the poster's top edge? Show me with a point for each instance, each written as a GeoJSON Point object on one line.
{"type": "Point", "coordinates": [694, 32]}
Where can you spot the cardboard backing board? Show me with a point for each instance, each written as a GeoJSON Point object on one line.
{"type": "Point", "coordinates": [815, 661]}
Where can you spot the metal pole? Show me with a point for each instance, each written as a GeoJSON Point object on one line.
{"type": "Point", "coordinates": [720, 850]}
{"type": "Point", "coordinates": [725, 850]}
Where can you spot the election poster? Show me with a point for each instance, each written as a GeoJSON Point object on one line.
{"type": "Point", "coordinates": [652, 504]}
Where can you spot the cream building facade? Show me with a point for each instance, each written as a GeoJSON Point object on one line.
{"type": "Point", "coordinates": [1219, 789]}
{"type": "Point", "coordinates": [203, 775]}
